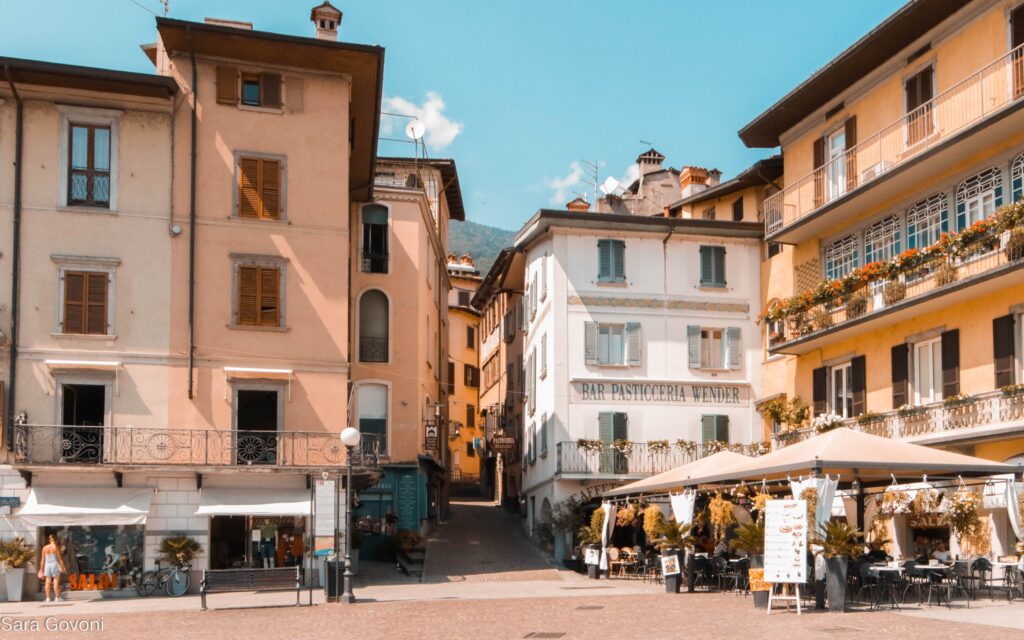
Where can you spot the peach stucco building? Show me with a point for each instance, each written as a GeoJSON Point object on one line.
{"type": "Point", "coordinates": [466, 435]}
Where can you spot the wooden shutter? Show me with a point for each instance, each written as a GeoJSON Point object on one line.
{"type": "Point", "coordinates": [693, 346]}
{"type": "Point", "coordinates": [719, 265]}
{"type": "Point", "coordinates": [606, 426]}
{"type": "Point", "coordinates": [858, 374]}
{"type": "Point", "coordinates": [707, 266]}
{"type": "Point", "coordinates": [851, 157]}
{"type": "Point", "coordinates": [590, 330]}
{"type": "Point", "coordinates": [819, 384]}
{"type": "Point", "coordinates": [950, 363]}
{"type": "Point", "coordinates": [270, 90]}
{"type": "Point", "coordinates": [604, 260]}
{"type": "Point", "coordinates": [1003, 349]}
{"type": "Point", "coordinates": [620, 426]}
{"type": "Point", "coordinates": [734, 349]}
{"type": "Point", "coordinates": [900, 377]}
{"type": "Point", "coordinates": [544, 276]}
{"type": "Point", "coordinates": [74, 302]}
{"type": "Point", "coordinates": [737, 209]}
{"type": "Point", "coordinates": [708, 428]}
{"type": "Point", "coordinates": [533, 297]}
{"type": "Point", "coordinates": [819, 176]}
{"type": "Point", "coordinates": [296, 94]}
{"type": "Point", "coordinates": [227, 85]}
{"type": "Point", "coordinates": [619, 260]}
{"type": "Point", "coordinates": [1016, 40]}
{"type": "Point", "coordinates": [634, 344]}
{"type": "Point", "coordinates": [248, 296]}
{"type": "Point", "coordinates": [96, 303]}
{"type": "Point", "coordinates": [249, 188]}
{"type": "Point", "coordinates": [270, 188]}
{"type": "Point", "coordinates": [270, 297]}
{"type": "Point", "coordinates": [722, 428]}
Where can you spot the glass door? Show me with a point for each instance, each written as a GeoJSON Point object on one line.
{"type": "Point", "coordinates": [842, 390]}
{"type": "Point", "coordinates": [837, 164]}
{"type": "Point", "coordinates": [928, 371]}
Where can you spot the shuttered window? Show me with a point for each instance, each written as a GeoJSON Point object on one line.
{"type": "Point", "coordinates": [471, 416]}
{"type": "Point", "coordinates": [544, 434]}
{"type": "Point", "coordinates": [612, 426]}
{"type": "Point", "coordinates": [259, 296]}
{"type": "Point", "coordinates": [259, 188]}
{"type": "Point", "coordinates": [544, 355]}
{"type": "Point", "coordinates": [85, 302]}
{"type": "Point", "coordinates": [611, 265]}
{"type": "Point", "coordinates": [258, 89]}
{"type": "Point", "coordinates": [714, 348]}
{"type": "Point", "coordinates": [1003, 349]}
{"type": "Point", "coordinates": [613, 344]}
{"type": "Point", "coordinates": [900, 367]}
{"type": "Point", "coordinates": [712, 266]}
{"type": "Point", "coordinates": [714, 428]}
{"type": "Point", "coordinates": [737, 210]}
{"type": "Point", "coordinates": [471, 375]}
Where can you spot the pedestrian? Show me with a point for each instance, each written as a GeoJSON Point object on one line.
{"type": "Point", "coordinates": [51, 565]}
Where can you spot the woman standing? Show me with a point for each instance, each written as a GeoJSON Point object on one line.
{"type": "Point", "coordinates": [51, 565]}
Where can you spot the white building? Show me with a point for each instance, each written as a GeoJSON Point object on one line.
{"type": "Point", "coordinates": [638, 329]}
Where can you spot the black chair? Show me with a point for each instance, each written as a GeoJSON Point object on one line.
{"type": "Point", "coordinates": [914, 578]}
{"type": "Point", "coordinates": [731, 577]}
{"type": "Point", "coordinates": [868, 583]}
{"type": "Point", "coordinates": [980, 576]}
{"type": "Point", "coordinates": [947, 582]}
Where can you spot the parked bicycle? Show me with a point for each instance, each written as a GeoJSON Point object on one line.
{"type": "Point", "coordinates": [174, 579]}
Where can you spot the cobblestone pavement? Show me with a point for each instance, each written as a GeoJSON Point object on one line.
{"type": "Point", "coordinates": [482, 542]}
{"type": "Point", "coordinates": [651, 617]}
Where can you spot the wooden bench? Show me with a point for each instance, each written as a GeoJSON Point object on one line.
{"type": "Point", "coordinates": [234, 580]}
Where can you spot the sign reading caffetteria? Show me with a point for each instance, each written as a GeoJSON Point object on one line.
{"type": "Point", "coordinates": [695, 393]}
{"type": "Point", "coordinates": [503, 443]}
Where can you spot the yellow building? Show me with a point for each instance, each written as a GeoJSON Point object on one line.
{"type": "Point", "coordinates": [895, 302]}
{"type": "Point", "coordinates": [465, 433]}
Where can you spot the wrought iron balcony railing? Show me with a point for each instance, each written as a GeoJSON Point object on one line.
{"type": "Point", "coordinates": [375, 262]}
{"type": "Point", "coordinates": [970, 101]}
{"type": "Point", "coordinates": [639, 459]}
{"type": "Point", "coordinates": [959, 419]}
{"type": "Point", "coordinates": [130, 446]}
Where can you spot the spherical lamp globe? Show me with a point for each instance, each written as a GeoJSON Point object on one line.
{"type": "Point", "coordinates": [350, 437]}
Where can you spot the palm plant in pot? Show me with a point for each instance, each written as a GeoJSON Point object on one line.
{"type": "Point", "coordinates": [15, 555]}
{"type": "Point", "coordinates": [750, 539]}
{"type": "Point", "coordinates": [589, 537]}
{"type": "Point", "coordinates": [673, 540]}
{"type": "Point", "coordinates": [840, 543]}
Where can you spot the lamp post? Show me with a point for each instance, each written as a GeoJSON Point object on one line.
{"type": "Point", "coordinates": [349, 438]}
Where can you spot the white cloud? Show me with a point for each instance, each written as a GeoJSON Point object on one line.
{"type": "Point", "coordinates": [632, 173]}
{"type": "Point", "coordinates": [563, 187]}
{"type": "Point", "coordinates": [441, 130]}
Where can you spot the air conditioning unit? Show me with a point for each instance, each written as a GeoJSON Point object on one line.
{"type": "Point", "coordinates": [875, 170]}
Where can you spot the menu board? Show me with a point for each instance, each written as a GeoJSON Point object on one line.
{"type": "Point", "coordinates": [785, 541]}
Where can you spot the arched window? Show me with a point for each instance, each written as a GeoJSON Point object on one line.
{"type": "Point", "coordinates": [1017, 179]}
{"type": "Point", "coordinates": [375, 238]}
{"type": "Point", "coordinates": [372, 404]}
{"type": "Point", "coordinates": [927, 221]}
{"type": "Point", "coordinates": [373, 327]}
{"type": "Point", "coordinates": [841, 257]}
{"type": "Point", "coordinates": [978, 197]}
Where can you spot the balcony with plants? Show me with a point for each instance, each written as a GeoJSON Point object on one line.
{"type": "Point", "coordinates": [625, 458]}
{"type": "Point", "coordinates": [975, 113]}
{"type": "Point", "coordinates": [890, 291]}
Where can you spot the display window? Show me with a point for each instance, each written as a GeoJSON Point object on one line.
{"type": "Point", "coordinates": [256, 541]}
{"type": "Point", "coordinates": [101, 558]}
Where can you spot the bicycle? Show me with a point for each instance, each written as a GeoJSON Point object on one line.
{"type": "Point", "coordinates": [175, 580]}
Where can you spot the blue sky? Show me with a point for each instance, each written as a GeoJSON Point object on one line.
{"type": "Point", "coordinates": [518, 91]}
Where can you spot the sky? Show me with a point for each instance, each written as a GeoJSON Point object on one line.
{"type": "Point", "coordinates": [521, 92]}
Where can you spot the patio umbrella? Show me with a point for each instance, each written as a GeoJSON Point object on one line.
{"type": "Point", "coordinates": [849, 454]}
{"type": "Point", "coordinates": [679, 477]}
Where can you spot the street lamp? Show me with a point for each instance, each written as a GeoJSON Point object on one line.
{"type": "Point", "coordinates": [350, 438]}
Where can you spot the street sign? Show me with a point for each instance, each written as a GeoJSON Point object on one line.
{"type": "Point", "coordinates": [503, 444]}
{"type": "Point", "coordinates": [10, 501]}
{"type": "Point", "coordinates": [430, 442]}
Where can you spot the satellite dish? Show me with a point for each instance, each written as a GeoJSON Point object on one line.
{"type": "Point", "coordinates": [415, 129]}
{"type": "Point", "coordinates": [609, 185]}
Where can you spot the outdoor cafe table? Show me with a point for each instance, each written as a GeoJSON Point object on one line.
{"type": "Point", "coordinates": [886, 585]}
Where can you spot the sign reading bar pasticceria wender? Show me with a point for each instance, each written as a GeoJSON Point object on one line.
{"type": "Point", "coordinates": [695, 393]}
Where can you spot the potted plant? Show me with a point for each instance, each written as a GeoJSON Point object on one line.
{"type": "Point", "coordinates": [653, 519]}
{"type": "Point", "coordinates": [673, 540]}
{"type": "Point", "coordinates": [945, 273]}
{"type": "Point", "coordinates": [1015, 245]}
{"type": "Point", "coordinates": [750, 539]}
{"type": "Point", "coordinates": [15, 555]}
{"type": "Point", "coordinates": [856, 304]}
{"type": "Point", "coordinates": [179, 550]}
{"type": "Point", "coordinates": [826, 422]}
{"type": "Point", "coordinates": [821, 318]}
{"type": "Point", "coordinates": [893, 292]}
{"type": "Point", "coordinates": [565, 518]}
{"type": "Point", "coordinates": [838, 545]}
{"type": "Point", "coordinates": [589, 537]}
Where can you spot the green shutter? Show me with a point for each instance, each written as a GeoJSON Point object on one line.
{"type": "Point", "coordinates": [590, 341]}
{"type": "Point", "coordinates": [733, 349]}
{"type": "Point", "coordinates": [707, 264]}
{"type": "Point", "coordinates": [722, 428]}
{"type": "Point", "coordinates": [604, 260]}
{"type": "Point", "coordinates": [719, 265]}
{"type": "Point", "coordinates": [621, 427]}
{"type": "Point", "coordinates": [707, 428]}
{"type": "Point", "coordinates": [693, 346]}
{"type": "Point", "coordinates": [619, 260]}
{"type": "Point", "coordinates": [634, 344]}
{"type": "Point", "coordinates": [606, 426]}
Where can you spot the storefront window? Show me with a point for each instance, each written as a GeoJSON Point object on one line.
{"type": "Point", "coordinates": [101, 557]}
{"type": "Point", "coordinates": [256, 541]}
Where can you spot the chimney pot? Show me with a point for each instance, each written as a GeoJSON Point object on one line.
{"type": "Point", "coordinates": [578, 204]}
{"type": "Point", "coordinates": [326, 19]}
{"type": "Point", "coordinates": [693, 180]}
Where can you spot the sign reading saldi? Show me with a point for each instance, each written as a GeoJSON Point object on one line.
{"type": "Point", "coordinates": [660, 393]}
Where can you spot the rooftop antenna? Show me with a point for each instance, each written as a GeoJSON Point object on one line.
{"type": "Point", "coordinates": [593, 181]}
{"type": "Point", "coordinates": [167, 6]}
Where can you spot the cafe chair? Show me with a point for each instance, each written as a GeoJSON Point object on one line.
{"type": "Point", "coordinates": [868, 583]}
{"type": "Point", "coordinates": [914, 578]}
{"type": "Point", "coordinates": [947, 582]}
{"type": "Point", "coordinates": [981, 576]}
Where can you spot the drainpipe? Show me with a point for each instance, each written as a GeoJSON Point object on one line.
{"type": "Point", "coordinates": [192, 230]}
{"type": "Point", "coordinates": [19, 135]}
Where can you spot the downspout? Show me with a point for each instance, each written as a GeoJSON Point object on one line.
{"type": "Point", "coordinates": [15, 256]}
{"type": "Point", "coordinates": [192, 229]}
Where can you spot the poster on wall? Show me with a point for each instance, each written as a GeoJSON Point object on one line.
{"type": "Point", "coordinates": [592, 556]}
{"type": "Point", "coordinates": [670, 565]}
{"type": "Point", "coordinates": [785, 541]}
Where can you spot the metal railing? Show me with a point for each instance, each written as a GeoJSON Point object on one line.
{"type": "Point", "coordinates": [373, 349]}
{"type": "Point", "coordinates": [375, 262]}
{"type": "Point", "coordinates": [640, 459]}
{"type": "Point", "coordinates": [927, 279]}
{"type": "Point", "coordinates": [991, 408]}
{"type": "Point", "coordinates": [986, 91]}
{"type": "Point", "coordinates": [59, 444]}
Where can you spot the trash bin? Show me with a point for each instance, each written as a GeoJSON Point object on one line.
{"type": "Point", "coordinates": [334, 577]}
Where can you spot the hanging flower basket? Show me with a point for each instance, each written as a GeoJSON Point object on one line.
{"type": "Point", "coordinates": [826, 422]}
{"type": "Point", "coordinates": [658, 446]}
{"type": "Point", "coordinates": [893, 501]}
{"type": "Point", "coordinates": [958, 400]}
{"type": "Point", "coordinates": [625, 447]}
{"type": "Point", "coordinates": [962, 513]}
{"type": "Point", "coordinates": [723, 516]}
{"type": "Point", "coordinates": [590, 446]}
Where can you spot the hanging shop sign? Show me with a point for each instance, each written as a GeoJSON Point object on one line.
{"type": "Point", "coordinates": [785, 541]}
{"type": "Point", "coordinates": [503, 444]}
{"type": "Point", "coordinates": [430, 440]}
{"type": "Point", "coordinates": [674, 393]}
{"type": "Point", "coordinates": [10, 501]}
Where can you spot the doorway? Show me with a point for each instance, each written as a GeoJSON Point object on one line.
{"type": "Point", "coordinates": [83, 410]}
{"type": "Point", "coordinates": [257, 422]}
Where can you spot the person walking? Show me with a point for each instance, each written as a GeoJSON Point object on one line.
{"type": "Point", "coordinates": [51, 565]}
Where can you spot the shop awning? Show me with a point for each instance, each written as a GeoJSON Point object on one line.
{"type": "Point", "coordinates": [80, 506]}
{"type": "Point", "coordinates": [253, 502]}
{"type": "Point", "coordinates": [679, 477]}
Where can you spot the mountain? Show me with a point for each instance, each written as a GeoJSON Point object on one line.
{"type": "Point", "coordinates": [481, 241]}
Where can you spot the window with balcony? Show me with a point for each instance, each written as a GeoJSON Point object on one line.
{"type": "Point", "coordinates": [836, 178]}
{"type": "Point", "coordinates": [611, 265]}
{"type": "Point", "coordinates": [373, 326]}
{"type": "Point", "coordinates": [882, 240]}
{"type": "Point", "coordinates": [841, 257]}
{"type": "Point", "coordinates": [612, 426]}
{"type": "Point", "coordinates": [841, 385]}
{"type": "Point", "coordinates": [373, 412]}
{"type": "Point", "coordinates": [978, 197]}
{"type": "Point", "coordinates": [927, 221]}
{"type": "Point", "coordinates": [919, 91]}
{"type": "Point", "coordinates": [714, 428]}
{"type": "Point", "coordinates": [927, 371]}
{"type": "Point", "coordinates": [1017, 179]}
{"type": "Point", "coordinates": [89, 165]}
{"type": "Point", "coordinates": [375, 241]}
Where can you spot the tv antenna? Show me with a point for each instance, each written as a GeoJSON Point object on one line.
{"type": "Point", "coordinates": [592, 176]}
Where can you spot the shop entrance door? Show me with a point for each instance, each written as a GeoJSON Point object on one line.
{"type": "Point", "coordinates": [229, 542]}
{"type": "Point", "coordinates": [256, 422]}
{"type": "Point", "coordinates": [83, 408]}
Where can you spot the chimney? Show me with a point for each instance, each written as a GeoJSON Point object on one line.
{"type": "Point", "coordinates": [578, 204]}
{"type": "Point", "coordinates": [693, 180]}
{"type": "Point", "coordinates": [326, 18]}
{"type": "Point", "coordinates": [649, 161]}
{"type": "Point", "coordinates": [714, 178]}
